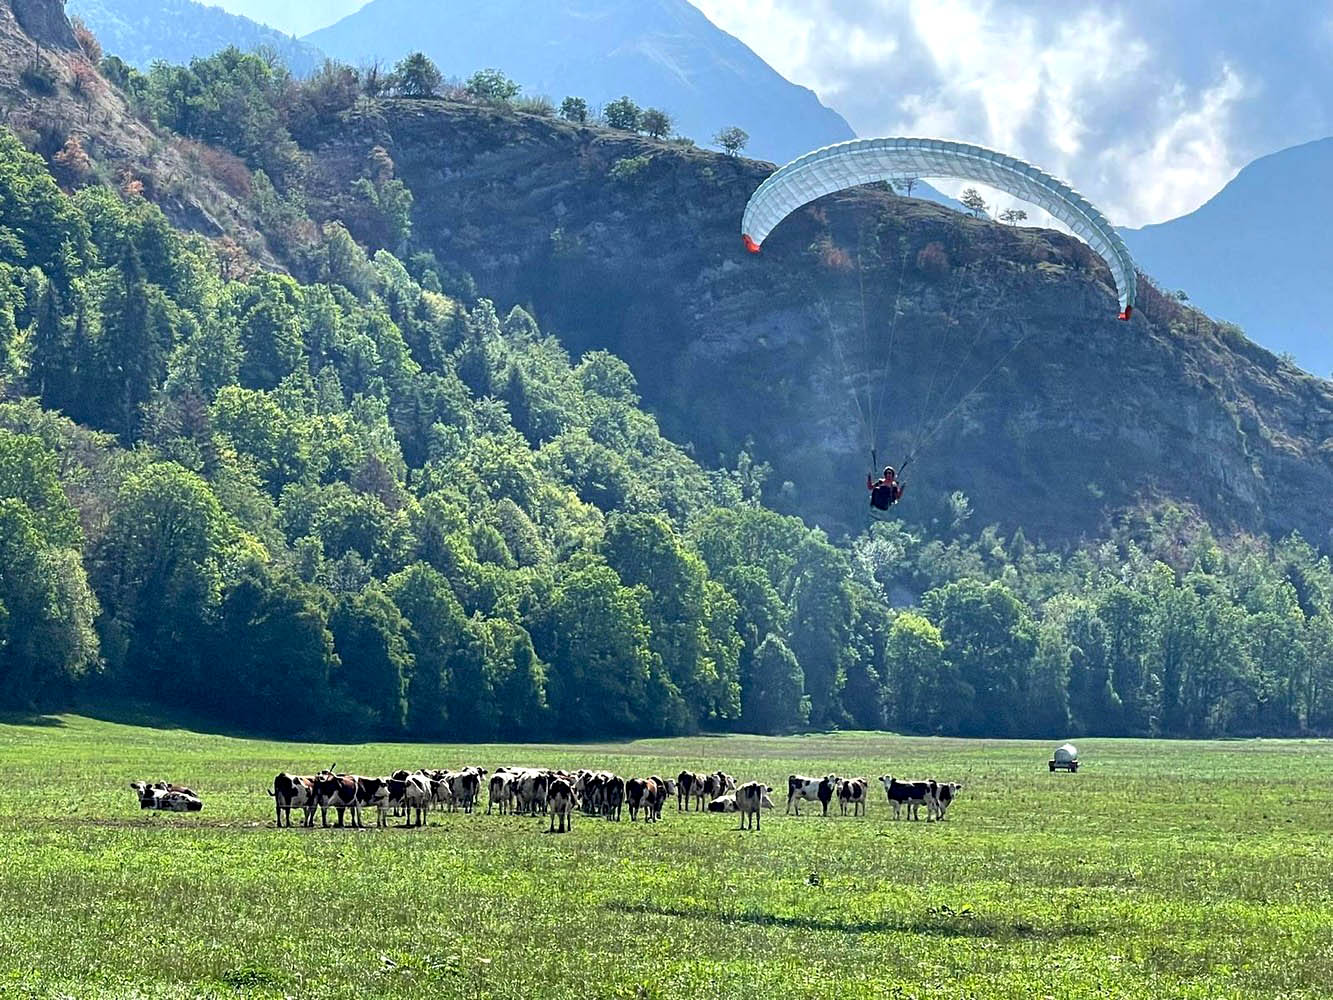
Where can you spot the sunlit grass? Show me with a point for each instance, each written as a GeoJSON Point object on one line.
{"type": "Point", "coordinates": [1159, 870]}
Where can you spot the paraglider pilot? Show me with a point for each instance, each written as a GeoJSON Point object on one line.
{"type": "Point", "coordinates": [885, 492]}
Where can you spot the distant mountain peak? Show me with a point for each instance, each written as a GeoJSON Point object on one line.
{"type": "Point", "coordinates": [1258, 253]}
{"type": "Point", "coordinates": [176, 31]}
{"type": "Point", "coordinates": [662, 53]}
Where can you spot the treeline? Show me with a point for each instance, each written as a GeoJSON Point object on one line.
{"type": "Point", "coordinates": [358, 504]}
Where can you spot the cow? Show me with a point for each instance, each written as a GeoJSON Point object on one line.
{"type": "Point", "coordinates": [290, 790]}
{"type": "Point", "coordinates": [749, 801]}
{"type": "Point", "coordinates": [530, 789]}
{"type": "Point", "coordinates": [372, 793]}
{"type": "Point", "coordinates": [340, 792]}
{"type": "Point", "coordinates": [166, 798]}
{"type": "Point", "coordinates": [613, 796]}
{"type": "Point", "coordinates": [666, 787]}
{"type": "Point", "coordinates": [727, 803]}
{"type": "Point", "coordinates": [910, 794]}
{"type": "Point", "coordinates": [852, 792]}
{"type": "Point", "coordinates": [642, 794]}
{"type": "Point", "coordinates": [561, 800]}
{"type": "Point", "coordinates": [410, 795]}
{"type": "Point", "coordinates": [464, 787]}
{"type": "Point", "coordinates": [819, 790]}
{"type": "Point", "coordinates": [715, 784]}
{"type": "Point", "coordinates": [688, 784]}
{"type": "Point", "coordinates": [501, 792]}
{"type": "Point", "coordinates": [942, 796]}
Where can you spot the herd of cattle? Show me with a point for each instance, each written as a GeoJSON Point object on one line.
{"type": "Point", "coordinates": [530, 791]}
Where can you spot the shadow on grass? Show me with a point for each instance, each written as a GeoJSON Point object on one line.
{"type": "Point", "coordinates": [31, 719]}
{"type": "Point", "coordinates": [944, 925]}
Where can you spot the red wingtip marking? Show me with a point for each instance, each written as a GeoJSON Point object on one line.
{"type": "Point", "coordinates": [750, 244]}
{"type": "Point", "coordinates": [1126, 313]}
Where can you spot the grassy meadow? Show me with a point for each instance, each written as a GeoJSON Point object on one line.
{"type": "Point", "coordinates": [1159, 870]}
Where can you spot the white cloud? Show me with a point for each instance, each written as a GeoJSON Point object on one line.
{"type": "Point", "coordinates": [1147, 108]}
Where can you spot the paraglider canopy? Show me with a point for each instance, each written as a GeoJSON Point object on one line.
{"type": "Point", "coordinates": [862, 161]}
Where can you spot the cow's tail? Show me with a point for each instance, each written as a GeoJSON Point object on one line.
{"type": "Point", "coordinates": [272, 794]}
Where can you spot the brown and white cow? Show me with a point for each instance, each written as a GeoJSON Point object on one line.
{"type": "Point", "coordinates": [911, 795]}
{"type": "Point", "coordinates": [641, 793]}
{"type": "Point", "coordinates": [165, 797]}
{"type": "Point", "coordinates": [666, 787]}
{"type": "Point", "coordinates": [852, 792]}
{"type": "Point", "coordinates": [292, 791]}
{"type": "Point", "coordinates": [339, 792]}
{"type": "Point", "coordinates": [750, 801]}
{"type": "Point", "coordinates": [819, 790]}
{"type": "Point", "coordinates": [560, 801]}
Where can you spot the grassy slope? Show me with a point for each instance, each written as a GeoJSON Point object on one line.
{"type": "Point", "coordinates": [1161, 869]}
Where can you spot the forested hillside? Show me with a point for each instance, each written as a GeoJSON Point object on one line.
{"type": "Point", "coordinates": [367, 491]}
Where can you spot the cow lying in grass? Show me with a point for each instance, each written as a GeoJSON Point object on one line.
{"type": "Point", "coordinates": [166, 797]}
{"type": "Point", "coordinates": [727, 803]}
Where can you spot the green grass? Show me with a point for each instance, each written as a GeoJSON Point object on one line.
{"type": "Point", "coordinates": [1159, 870]}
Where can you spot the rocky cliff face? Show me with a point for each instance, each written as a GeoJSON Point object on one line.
{"type": "Point", "coordinates": [631, 245]}
{"type": "Point", "coordinates": [196, 187]}
{"type": "Point", "coordinates": [45, 21]}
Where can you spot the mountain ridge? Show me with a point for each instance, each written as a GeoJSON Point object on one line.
{"type": "Point", "coordinates": [1257, 253]}
{"type": "Point", "coordinates": [663, 53]}
{"type": "Point", "coordinates": [1082, 417]}
{"type": "Point", "coordinates": [176, 31]}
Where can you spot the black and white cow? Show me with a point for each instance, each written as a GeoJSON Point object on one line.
{"type": "Point", "coordinates": [727, 803]}
{"type": "Point", "coordinates": [688, 785]}
{"type": "Point", "coordinates": [819, 790]}
{"type": "Point", "coordinates": [501, 792]}
{"type": "Point", "coordinates": [560, 801]}
{"type": "Point", "coordinates": [292, 791]}
{"type": "Point", "coordinates": [911, 795]}
{"type": "Point", "coordinates": [166, 797]}
{"type": "Point", "coordinates": [852, 792]}
{"type": "Point", "coordinates": [412, 795]}
{"type": "Point", "coordinates": [530, 789]}
{"type": "Point", "coordinates": [715, 784]}
{"type": "Point", "coordinates": [750, 801]}
{"type": "Point", "coordinates": [613, 796]}
{"type": "Point", "coordinates": [942, 796]}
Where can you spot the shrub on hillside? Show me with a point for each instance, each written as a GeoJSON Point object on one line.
{"type": "Point", "coordinates": [629, 169]}
{"type": "Point", "coordinates": [623, 114]}
{"type": "Point", "coordinates": [932, 261]}
{"type": "Point", "coordinates": [491, 87]}
{"type": "Point", "coordinates": [92, 48]}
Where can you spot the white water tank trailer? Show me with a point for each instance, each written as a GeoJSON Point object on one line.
{"type": "Point", "coordinates": [1065, 758]}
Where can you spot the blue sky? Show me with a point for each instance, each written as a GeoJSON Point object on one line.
{"type": "Point", "coordinates": [1147, 107]}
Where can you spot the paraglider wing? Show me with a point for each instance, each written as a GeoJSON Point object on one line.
{"type": "Point", "coordinates": [862, 161]}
